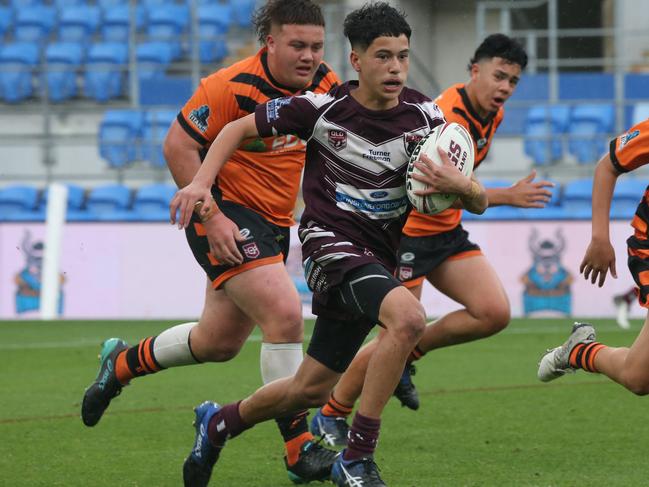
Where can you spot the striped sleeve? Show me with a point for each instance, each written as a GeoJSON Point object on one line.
{"type": "Point", "coordinates": [630, 150]}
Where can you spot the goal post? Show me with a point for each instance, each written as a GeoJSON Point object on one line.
{"type": "Point", "coordinates": [54, 222]}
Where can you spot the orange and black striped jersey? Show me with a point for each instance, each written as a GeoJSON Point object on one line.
{"type": "Point", "coordinates": [456, 107]}
{"type": "Point", "coordinates": [629, 151]}
{"type": "Point", "coordinates": [263, 174]}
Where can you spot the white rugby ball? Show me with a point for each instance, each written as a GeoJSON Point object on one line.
{"type": "Point", "coordinates": [456, 141]}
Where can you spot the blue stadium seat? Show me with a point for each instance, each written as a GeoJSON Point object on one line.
{"type": "Point", "coordinates": [242, 10]}
{"type": "Point", "coordinates": [25, 3]}
{"type": "Point", "coordinates": [590, 129]}
{"type": "Point", "coordinates": [6, 19]}
{"type": "Point", "coordinates": [63, 62]}
{"type": "Point", "coordinates": [106, 4]}
{"type": "Point", "coordinates": [577, 195]}
{"type": "Point", "coordinates": [544, 127]}
{"type": "Point", "coordinates": [547, 213]}
{"type": "Point", "coordinates": [17, 63]}
{"type": "Point", "coordinates": [17, 199]}
{"type": "Point", "coordinates": [154, 131]}
{"type": "Point", "coordinates": [636, 86]}
{"type": "Point", "coordinates": [168, 23]}
{"type": "Point", "coordinates": [108, 198]}
{"type": "Point", "coordinates": [78, 23]}
{"type": "Point", "coordinates": [69, 3]}
{"type": "Point", "coordinates": [640, 113]}
{"type": "Point", "coordinates": [105, 71]}
{"type": "Point", "coordinates": [152, 201]}
{"type": "Point", "coordinates": [629, 189]}
{"type": "Point", "coordinates": [116, 24]}
{"type": "Point", "coordinates": [153, 58]}
{"type": "Point", "coordinates": [119, 133]}
{"type": "Point", "coordinates": [34, 24]}
{"type": "Point", "coordinates": [213, 23]}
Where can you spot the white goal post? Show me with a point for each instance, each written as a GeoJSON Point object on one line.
{"type": "Point", "coordinates": [55, 220]}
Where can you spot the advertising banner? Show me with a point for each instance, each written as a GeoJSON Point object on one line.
{"type": "Point", "coordinates": [146, 270]}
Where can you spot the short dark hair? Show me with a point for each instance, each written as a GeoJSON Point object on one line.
{"type": "Point", "coordinates": [374, 20]}
{"type": "Point", "coordinates": [282, 12]}
{"type": "Point", "coordinates": [500, 45]}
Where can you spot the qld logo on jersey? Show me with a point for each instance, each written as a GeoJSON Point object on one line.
{"type": "Point", "coordinates": [199, 117]}
{"type": "Point", "coordinates": [273, 107]}
{"type": "Point", "coordinates": [337, 139]}
{"type": "Point", "coordinates": [410, 141]}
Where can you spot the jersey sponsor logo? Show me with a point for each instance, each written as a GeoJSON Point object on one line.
{"type": "Point", "coordinates": [628, 137]}
{"type": "Point", "coordinates": [273, 107]}
{"type": "Point", "coordinates": [410, 141]}
{"type": "Point", "coordinates": [251, 250]}
{"type": "Point", "coordinates": [481, 143]}
{"type": "Point", "coordinates": [392, 204]}
{"type": "Point", "coordinates": [379, 194]}
{"type": "Point", "coordinates": [405, 273]}
{"type": "Point", "coordinates": [377, 155]}
{"type": "Point", "coordinates": [337, 139]}
{"type": "Point", "coordinates": [407, 257]}
{"type": "Point", "coordinates": [199, 117]}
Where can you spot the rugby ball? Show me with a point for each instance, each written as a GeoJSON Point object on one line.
{"type": "Point", "coordinates": [456, 141]}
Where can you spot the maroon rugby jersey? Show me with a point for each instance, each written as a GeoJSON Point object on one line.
{"type": "Point", "coordinates": [356, 161]}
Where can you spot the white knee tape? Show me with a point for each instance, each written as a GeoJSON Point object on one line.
{"type": "Point", "coordinates": [171, 347]}
{"type": "Point", "coordinates": [278, 360]}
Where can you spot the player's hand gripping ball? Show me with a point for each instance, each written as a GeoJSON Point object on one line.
{"type": "Point", "coordinates": [456, 141]}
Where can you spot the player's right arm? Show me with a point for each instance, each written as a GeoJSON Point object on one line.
{"type": "Point", "coordinates": [600, 255]}
{"type": "Point", "coordinates": [182, 154]}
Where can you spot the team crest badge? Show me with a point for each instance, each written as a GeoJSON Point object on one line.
{"type": "Point", "coordinates": [337, 139]}
{"type": "Point", "coordinates": [199, 117]}
{"type": "Point", "coordinates": [626, 138]}
{"type": "Point", "coordinates": [481, 143]}
{"type": "Point", "coordinates": [405, 273]}
{"type": "Point", "coordinates": [410, 141]}
{"type": "Point", "coordinates": [251, 250]}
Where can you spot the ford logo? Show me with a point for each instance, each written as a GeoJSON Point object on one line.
{"type": "Point", "coordinates": [379, 194]}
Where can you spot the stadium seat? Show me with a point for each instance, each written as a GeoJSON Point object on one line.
{"type": "Point", "coordinates": [544, 127]}
{"type": "Point", "coordinates": [153, 58]}
{"type": "Point", "coordinates": [154, 131]}
{"type": "Point", "coordinates": [63, 61]}
{"type": "Point", "coordinates": [17, 200]}
{"type": "Point", "coordinates": [116, 24]}
{"type": "Point", "coordinates": [6, 19]}
{"type": "Point", "coordinates": [213, 23]}
{"type": "Point", "coordinates": [105, 71]}
{"type": "Point", "coordinates": [34, 24]}
{"type": "Point", "coordinates": [151, 202]}
{"type": "Point", "coordinates": [168, 23]}
{"type": "Point", "coordinates": [106, 4]}
{"type": "Point", "coordinates": [78, 23]}
{"type": "Point", "coordinates": [119, 133]}
{"type": "Point", "coordinates": [68, 3]}
{"type": "Point", "coordinates": [25, 3]}
{"type": "Point", "coordinates": [242, 12]}
{"type": "Point", "coordinates": [586, 86]}
{"type": "Point", "coordinates": [590, 128]}
{"type": "Point", "coordinates": [640, 113]}
{"type": "Point", "coordinates": [108, 198]}
{"type": "Point", "coordinates": [17, 63]}
{"type": "Point", "coordinates": [629, 189]}
{"type": "Point", "coordinates": [577, 195]}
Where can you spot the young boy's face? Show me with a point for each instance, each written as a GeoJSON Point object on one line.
{"type": "Point", "coordinates": [383, 67]}
{"type": "Point", "coordinates": [494, 80]}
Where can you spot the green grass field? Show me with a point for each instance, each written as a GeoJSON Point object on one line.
{"type": "Point", "coordinates": [485, 420]}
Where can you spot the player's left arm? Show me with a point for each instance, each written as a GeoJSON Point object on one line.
{"type": "Point", "coordinates": [525, 193]}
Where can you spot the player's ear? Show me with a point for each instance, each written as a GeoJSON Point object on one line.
{"type": "Point", "coordinates": [270, 42]}
{"type": "Point", "coordinates": [475, 69]}
{"type": "Point", "coordinates": [355, 61]}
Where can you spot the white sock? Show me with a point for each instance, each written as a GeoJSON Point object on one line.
{"type": "Point", "coordinates": [171, 347]}
{"type": "Point", "coordinates": [278, 360]}
{"type": "Point", "coordinates": [623, 315]}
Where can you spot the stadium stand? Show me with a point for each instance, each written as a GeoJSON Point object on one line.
{"type": "Point", "coordinates": [17, 199]}
{"type": "Point", "coordinates": [64, 60]}
{"type": "Point", "coordinates": [154, 130]}
{"type": "Point", "coordinates": [168, 25]}
{"type": "Point", "coordinates": [115, 26]}
{"type": "Point", "coordinates": [78, 23]}
{"type": "Point", "coordinates": [105, 71]}
{"type": "Point", "coordinates": [153, 58]}
{"type": "Point", "coordinates": [544, 127]}
{"type": "Point", "coordinates": [589, 130]}
{"type": "Point", "coordinates": [34, 23]}
{"type": "Point", "coordinates": [151, 202]}
{"type": "Point", "coordinates": [119, 133]}
{"type": "Point", "coordinates": [17, 63]}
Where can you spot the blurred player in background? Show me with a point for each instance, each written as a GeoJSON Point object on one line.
{"type": "Point", "coordinates": [355, 205]}
{"type": "Point", "coordinates": [626, 366]}
{"type": "Point", "coordinates": [257, 191]}
{"type": "Point", "coordinates": [437, 248]}
{"type": "Point", "coordinates": [622, 304]}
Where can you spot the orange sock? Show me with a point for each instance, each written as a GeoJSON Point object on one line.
{"type": "Point", "coordinates": [583, 356]}
{"type": "Point", "coordinates": [294, 446]}
{"type": "Point", "coordinates": [136, 361]}
{"type": "Point", "coordinates": [335, 409]}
